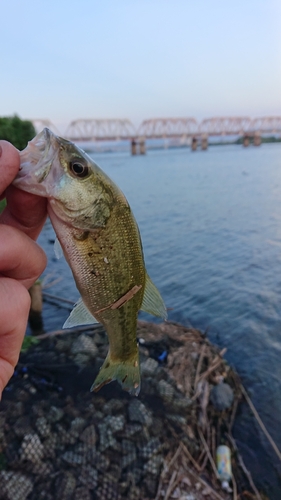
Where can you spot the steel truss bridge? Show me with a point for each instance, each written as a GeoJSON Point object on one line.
{"type": "Point", "coordinates": [164, 128]}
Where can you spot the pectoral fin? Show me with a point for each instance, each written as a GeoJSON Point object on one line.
{"type": "Point", "coordinates": [79, 315]}
{"type": "Point", "coordinates": [152, 301]}
{"type": "Point", "coordinates": [58, 249]}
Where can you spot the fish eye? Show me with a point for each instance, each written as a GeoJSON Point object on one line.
{"type": "Point", "coordinates": [78, 169]}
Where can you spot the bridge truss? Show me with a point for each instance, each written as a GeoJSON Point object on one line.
{"type": "Point", "coordinates": [160, 128]}
{"type": "Point", "coordinates": [164, 128]}
{"type": "Point", "coordinates": [40, 123]}
{"type": "Point", "coordinates": [267, 125]}
{"type": "Point", "coordinates": [100, 130]}
{"type": "Point", "coordinates": [238, 125]}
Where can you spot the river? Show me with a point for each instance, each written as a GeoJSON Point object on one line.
{"type": "Point", "coordinates": [210, 223]}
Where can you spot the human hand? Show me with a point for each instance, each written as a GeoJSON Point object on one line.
{"type": "Point", "coordinates": [21, 259]}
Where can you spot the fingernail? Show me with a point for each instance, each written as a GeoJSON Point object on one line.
{"type": "Point", "coordinates": [0, 151]}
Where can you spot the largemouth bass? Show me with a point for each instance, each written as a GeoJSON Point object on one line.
{"type": "Point", "coordinates": [101, 242]}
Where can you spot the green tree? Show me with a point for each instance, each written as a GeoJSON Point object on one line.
{"type": "Point", "coordinates": [16, 131]}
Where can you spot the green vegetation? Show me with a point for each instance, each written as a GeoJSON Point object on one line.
{"type": "Point", "coordinates": [266, 139]}
{"type": "Point", "coordinates": [16, 131]}
{"type": "Point", "coordinates": [271, 139]}
{"type": "Point", "coordinates": [28, 341]}
{"type": "Point", "coordinates": [2, 205]}
{"type": "Point", "coordinates": [3, 461]}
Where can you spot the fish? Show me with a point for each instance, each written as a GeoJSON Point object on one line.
{"type": "Point", "coordinates": [100, 239]}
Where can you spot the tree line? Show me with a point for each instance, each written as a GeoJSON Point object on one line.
{"type": "Point", "coordinates": [16, 131]}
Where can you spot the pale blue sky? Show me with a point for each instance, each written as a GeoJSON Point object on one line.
{"type": "Point", "coordinates": [139, 59]}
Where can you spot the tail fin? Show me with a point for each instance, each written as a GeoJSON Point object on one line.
{"type": "Point", "coordinates": [127, 373]}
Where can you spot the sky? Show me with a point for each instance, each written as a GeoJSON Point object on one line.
{"type": "Point", "coordinates": [139, 59]}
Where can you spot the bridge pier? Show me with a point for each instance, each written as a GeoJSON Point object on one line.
{"type": "Point", "coordinates": [257, 139]}
{"type": "Point", "coordinates": [246, 141]}
{"type": "Point", "coordinates": [142, 147]}
{"type": "Point", "coordinates": [204, 142]}
{"type": "Point", "coordinates": [194, 144]}
{"type": "Point", "coordinates": [138, 146]}
{"type": "Point", "coordinates": [133, 147]}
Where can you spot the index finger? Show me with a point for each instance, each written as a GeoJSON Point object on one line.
{"type": "Point", "coordinates": [24, 211]}
{"type": "Point", "coordinates": [9, 164]}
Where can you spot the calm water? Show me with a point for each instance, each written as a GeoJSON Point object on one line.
{"type": "Point", "coordinates": [211, 230]}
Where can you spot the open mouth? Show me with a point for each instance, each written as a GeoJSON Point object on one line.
{"type": "Point", "coordinates": [35, 165]}
{"type": "Point", "coordinates": [37, 149]}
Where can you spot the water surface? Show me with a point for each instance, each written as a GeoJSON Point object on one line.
{"type": "Point", "coordinates": [211, 229]}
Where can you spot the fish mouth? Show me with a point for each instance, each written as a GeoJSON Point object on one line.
{"type": "Point", "coordinates": [36, 161]}
{"type": "Point", "coordinates": [37, 149]}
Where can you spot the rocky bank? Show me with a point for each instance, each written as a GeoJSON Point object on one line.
{"type": "Point", "coordinates": [60, 441]}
